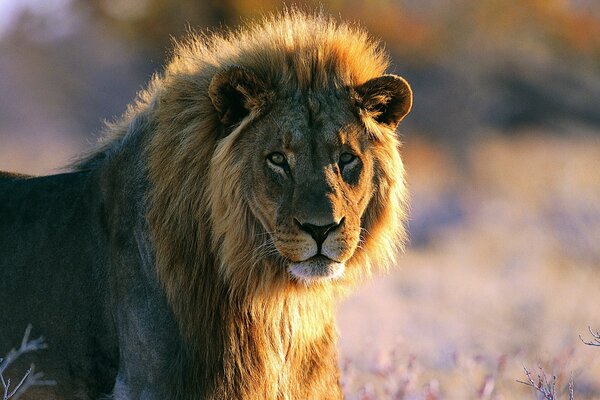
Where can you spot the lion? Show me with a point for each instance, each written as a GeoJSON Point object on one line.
{"type": "Point", "coordinates": [199, 251]}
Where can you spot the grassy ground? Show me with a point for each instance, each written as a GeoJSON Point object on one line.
{"type": "Point", "coordinates": [503, 272]}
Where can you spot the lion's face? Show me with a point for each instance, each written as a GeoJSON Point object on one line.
{"type": "Point", "coordinates": [312, 168]}
{"type": "Point", "coordinates": [309, 181]}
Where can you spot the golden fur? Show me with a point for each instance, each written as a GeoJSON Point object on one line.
{"type": "Point", "coordinates": [252, 331]}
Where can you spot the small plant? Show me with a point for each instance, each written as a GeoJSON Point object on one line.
{"type": "Point", "coordinates": [31, 378]}
{"type": "Point", "coordinates": [546, 388]}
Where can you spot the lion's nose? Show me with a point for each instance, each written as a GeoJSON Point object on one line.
{"type": "Point", "coordinates": [319, 232]}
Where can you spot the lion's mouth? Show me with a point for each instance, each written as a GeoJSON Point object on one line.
{"type": "Point", "coordinates": [316, 268]}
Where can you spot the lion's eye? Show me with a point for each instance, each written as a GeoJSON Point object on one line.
{"type": "Point", "coordinates": [346, 158]}
{"type": "Point", "coordinates": [277, 159]}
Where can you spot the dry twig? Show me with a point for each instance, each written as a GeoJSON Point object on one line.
{"type": "Point", "coordinates": [31, 378]}
{"type": "Point", "coordinates": [544, 387]}
{"type": "Point", "coordinates": [595, 338]}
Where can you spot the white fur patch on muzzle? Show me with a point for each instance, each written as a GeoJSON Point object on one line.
{"type": "Point", "coordinates": [315, 269]}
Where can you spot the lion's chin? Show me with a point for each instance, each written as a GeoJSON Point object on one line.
{"type": "Point", "coordinates": [316, 269]}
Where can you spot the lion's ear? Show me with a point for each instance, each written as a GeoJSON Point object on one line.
{"type": "Point", "coordinates": [387, 99]}
{"type": "Point", "coordinates": [235, 92]}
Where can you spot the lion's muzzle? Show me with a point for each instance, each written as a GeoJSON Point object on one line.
{"type": "Point", "coordinates": [324, 260]}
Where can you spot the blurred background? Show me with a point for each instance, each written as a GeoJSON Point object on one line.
{"type": "Point", "coordinates": [502, 151]}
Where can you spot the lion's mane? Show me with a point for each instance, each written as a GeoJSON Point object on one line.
{"type": "Point", "coordinates": [240, 317]}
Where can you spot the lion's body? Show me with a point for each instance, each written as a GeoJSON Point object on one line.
{"type": "Point", "coordinates": [199, 252]}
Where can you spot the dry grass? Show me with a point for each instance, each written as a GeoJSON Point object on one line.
{"type": "Point", "coordinates": [503, 276]}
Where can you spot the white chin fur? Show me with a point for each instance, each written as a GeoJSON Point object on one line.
{"type": "Point", "coordinates": [316, 269]}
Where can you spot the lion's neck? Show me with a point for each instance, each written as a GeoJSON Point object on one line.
{"type": "Point", "coordinates": [280, 349]}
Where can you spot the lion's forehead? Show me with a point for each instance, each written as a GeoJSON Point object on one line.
{"type": "Point", "coordinates": [318, 130]}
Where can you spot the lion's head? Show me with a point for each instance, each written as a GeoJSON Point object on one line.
{"type": "Point", "coordinates": [275, 146]}
{"type": "Point", "coordinates": [318, 167]}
